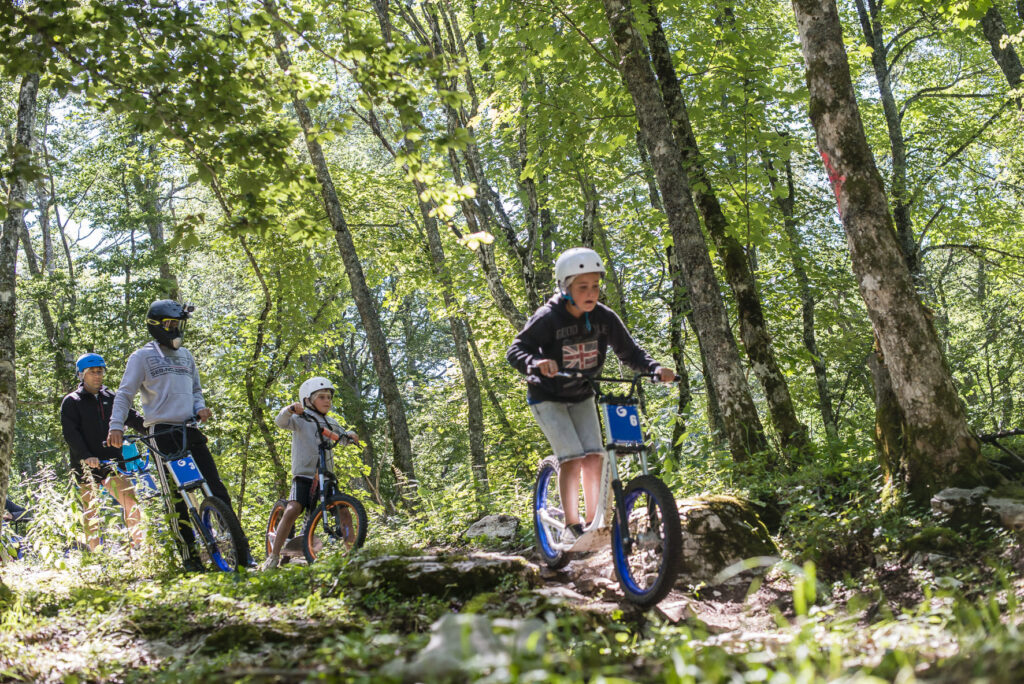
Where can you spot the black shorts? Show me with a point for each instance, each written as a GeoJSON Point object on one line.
{"type": "Point", "coordinates": [302, 491]}
{"type": "Point", "coordinates": [84, 475]}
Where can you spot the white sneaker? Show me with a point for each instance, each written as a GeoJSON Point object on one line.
{"type": "Point", "coordinates": [271, 563]}
{"type": "Point", "coordinates": [570, 533]}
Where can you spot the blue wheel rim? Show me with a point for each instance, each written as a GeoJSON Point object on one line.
{"type": "Point", "coordinates": [621, 560]}
{"type": "Point", "coordinates": [215, 554]}
{"type": "Point", "coordinates": [540, 502]}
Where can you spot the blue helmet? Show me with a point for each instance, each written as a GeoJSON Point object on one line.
{"type": "Point", "coordinates": [89, 360]}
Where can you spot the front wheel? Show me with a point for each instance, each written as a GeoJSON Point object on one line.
{"type": "Point", "coordinates": [548, 513]}
{"type": "Point", "coordinates": [220, 536]}
{"type": "Point", "coordinates": [337, 525]}
{"type": "Point", "coordinates": [647, 565]}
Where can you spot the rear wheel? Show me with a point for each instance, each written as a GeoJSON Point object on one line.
{"type": "Point", "coordinates": [647, 565]}
{"type": "Point", "coordinates": [336, 526]}
{"type": "Point", "coordinates": [547, 511]}
{"type": "Point", "coordinates": [220, 540]}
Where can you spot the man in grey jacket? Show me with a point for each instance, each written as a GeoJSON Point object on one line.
{"type": "Point", "coordinates": [165, 377]}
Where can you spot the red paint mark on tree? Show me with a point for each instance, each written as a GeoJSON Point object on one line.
{"type": "Point", "coordinates": [835, 179]}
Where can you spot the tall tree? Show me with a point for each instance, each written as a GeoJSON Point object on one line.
{"type": "Point", "coordinates": [742, 424]}
{"type": "Point", "coordinates": [753, 325]}
{"type": "Point", "coordinates": [14, 226]}
{"type": "Point", "coordinates": [940, 448]}
{"type": "Point", "coordinates": [428, 214]}
{"type": "Point", "coordinates": [785, 199]}
{"type": "Point", "coordinates": [398, 425]}
{"type": "Point", "coordinates": [869, 13]}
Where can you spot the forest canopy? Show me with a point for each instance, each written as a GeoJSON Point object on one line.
{"type": "Point", "coordinates": [811, 211]}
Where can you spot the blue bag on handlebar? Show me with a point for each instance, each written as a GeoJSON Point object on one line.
{"type": "Point", "coordinates": [133, 460]}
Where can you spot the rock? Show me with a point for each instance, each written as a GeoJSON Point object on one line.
{"type": "Point", "coordinates": [971, 507]}
{"type": "Point", "coordinates": [464, 645]}
{"type": "Point", "coordinates": [561, 594]}
{"type": "Point", "coordinates": [960, 503]}
{"type": "Point", "coordinates": [499, 526]}
{"type": "Point", "coordinates": [675, 607]}
{"type": "Point", "coordinates": [719, 531]}
{"type": "Point", "coordinates": [1009, 511]}
{"type": "Point", "coordinates": [443, 574]}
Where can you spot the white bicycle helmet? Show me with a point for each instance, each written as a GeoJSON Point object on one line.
{"type": "Point", "coordinates": [574, 262]}
{"type": "Point", "coordinates": [312, 385]}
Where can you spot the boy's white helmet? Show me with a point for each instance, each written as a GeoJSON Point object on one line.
{"type": "Point", "coordinates": [574, 262]}
{"type": "Point", "coordinates": [312, 385]}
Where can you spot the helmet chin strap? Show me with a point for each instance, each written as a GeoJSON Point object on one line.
{"type": "Point", "coordinates": [586, 314]}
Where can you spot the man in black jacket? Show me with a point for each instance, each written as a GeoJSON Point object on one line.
{"type": "Point", "coordinates": [85, 420]}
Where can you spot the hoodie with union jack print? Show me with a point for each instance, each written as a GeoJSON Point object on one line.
{"type": "Point", "coordinates": [554, 333]}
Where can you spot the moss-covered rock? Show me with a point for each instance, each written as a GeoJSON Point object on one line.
{"type": "Point", "coordinates": [719, 531]}
{"type": "Point", "coordinates": [934, 539]}
{"type": "Point", "coordinates": [443, 575]}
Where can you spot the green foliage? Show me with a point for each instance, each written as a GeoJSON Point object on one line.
{"type": "Point", "coordinates": [170, 159]}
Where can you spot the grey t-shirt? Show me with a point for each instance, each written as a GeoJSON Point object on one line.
{"type": "Point", "coordinates": [305, 438]}
{"type": "Point", "coordinates": [167, 383]}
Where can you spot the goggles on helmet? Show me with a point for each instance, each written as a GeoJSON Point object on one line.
{"type": "Point", "coordinates": [167, 323]}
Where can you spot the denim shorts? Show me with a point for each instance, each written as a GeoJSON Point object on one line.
{"type": "Point", "coordinates": [572, 429]}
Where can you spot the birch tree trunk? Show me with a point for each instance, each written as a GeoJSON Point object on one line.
{"type": "Point", "coordinates": [753, 327]}
{"type": "Point", "coordinates": [398, 426]}
{"type": "Point", "coordinates": [940, 449]}
{"type": "Point", "coordinates": [742, 424]}
{"type": "Point", "coordinates": [14, 224]}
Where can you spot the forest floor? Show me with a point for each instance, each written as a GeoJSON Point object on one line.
{"type": "Point", "coordinates": [109, 618]}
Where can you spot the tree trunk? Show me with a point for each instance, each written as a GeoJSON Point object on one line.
{"type": "Point", "coordinates": [478, 455]}
{"type": "Point", "coordinates": [940, 449]}
{"type": "Point", "coordinates": [743, 426]}
{"type": "Point", "coordinates": [486, 210]}
{"type": "Point", "coordinates": [889, 437]}
{"type": "Point", "coordinates": [14, 224]}
{"type": "Point", "coordinates": [354, 409]}
{"type": "Point", "coordinates": [63, 362]}
{"type": "Point", "coordinates": [147, 188]}
{"type": "Point", "coordinates": [753, 327]}
{"type": "Point", "coordinates": [786, 200]}
{"type": "Point", "coordinates": [716, 426]}
{"type": "Point", "coordinates": [679, 306]}
{"type": "Point", "coordinates": [256, 403]}
{"type": "Point", "coordinates": [994, 28]}
{"type": "Point", "coordinates": [871, 27]}
{"type": "Point", "coordinates": [365, 304]}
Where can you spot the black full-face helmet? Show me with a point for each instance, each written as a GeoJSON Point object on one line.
{"type": "Point", "coordinates": [166, 320]}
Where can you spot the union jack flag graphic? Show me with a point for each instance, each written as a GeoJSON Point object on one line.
{"type": "Point", "coordinates": [580, 356]}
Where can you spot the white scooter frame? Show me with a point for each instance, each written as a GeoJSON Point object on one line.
{"type": "Point", "coordinates": [598, 532]}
